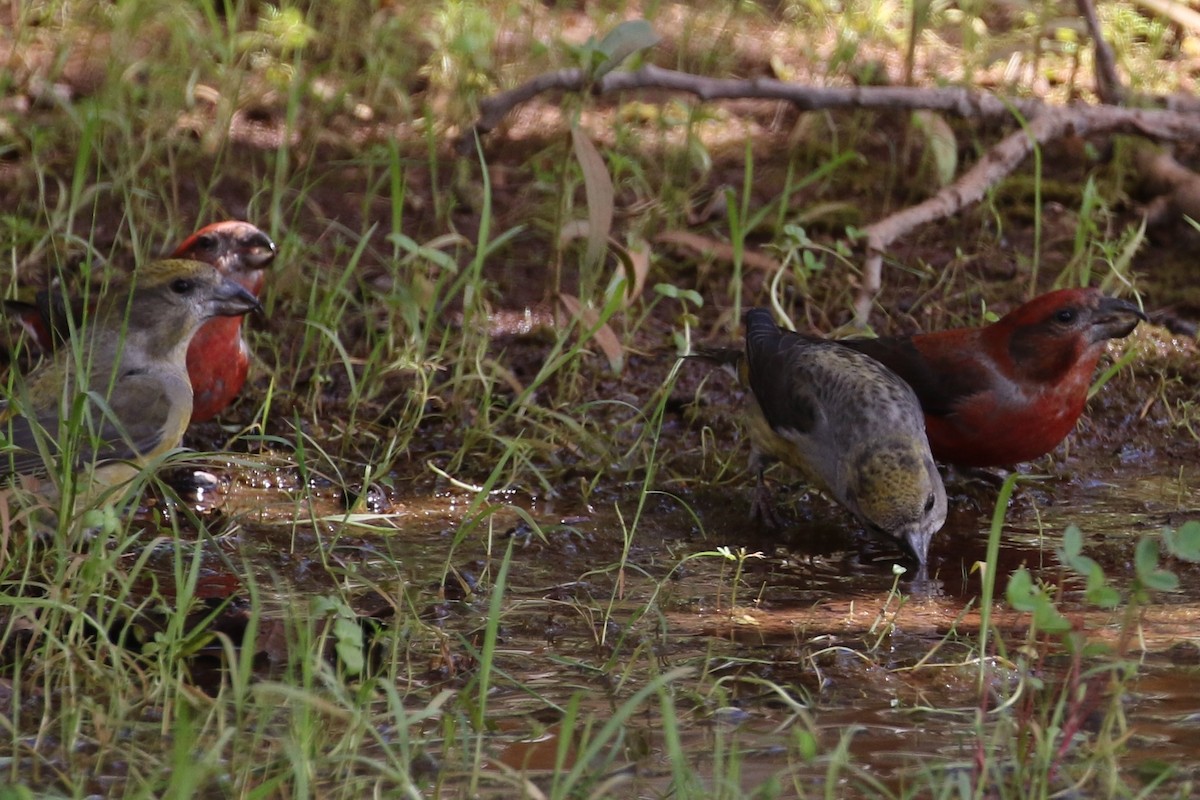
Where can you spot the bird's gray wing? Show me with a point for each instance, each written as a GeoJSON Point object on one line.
{"type": "Point", "coordinates": [778, 377]}
{"type": "Point", "coordinates": [23, 440]}
{"type": "Point", "coordinates": [131, 423]}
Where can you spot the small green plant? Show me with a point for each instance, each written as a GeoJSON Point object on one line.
{"type": "Point", "coordinates": [1055, 705]}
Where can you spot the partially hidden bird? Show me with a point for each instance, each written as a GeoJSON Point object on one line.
{"type": "Point", "coordinates": [218, 358]}
{"type": "Point", "coordinates": [118, 395]}
{"type": "Point", "coordinates": [1013, 390]}
{"type": "Point", "coordinates": [848, 424]}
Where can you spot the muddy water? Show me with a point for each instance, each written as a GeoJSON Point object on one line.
{"type": "Point", "coordinates": [811, 612]}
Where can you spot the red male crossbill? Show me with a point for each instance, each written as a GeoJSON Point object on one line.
{"type": "Point", "coordinates": [218, 359]}
{"type": "Point", "coordinates": [120, 394]}
{"type": "Point", "coordinates": [1010, 391]}
{"type": "Point", "coordinates": [851, 426]}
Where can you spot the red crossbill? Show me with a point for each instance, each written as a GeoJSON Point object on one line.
{"type": "Point", "coordinates": [851, 426]}
{"type": "Point", "coordinates": [1013, 390]}
{"type": "Point", "coordinates": [218, 359]}
{"type": "Point", "coordinates": [119, 395]}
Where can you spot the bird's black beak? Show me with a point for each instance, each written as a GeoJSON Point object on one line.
{"type": "Point", "coordinates": [915, 544]}
{"type": "Point", "coordinates": [1115, 318]}
{"type": "Point", "coordinates": [231, 300]}
{"type": "Point", "coordinates": [260, 250]}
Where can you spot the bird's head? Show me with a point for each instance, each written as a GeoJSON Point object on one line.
{"type": "Point", "coordinates": [171, 299]}
{"type": "Point", "coordinates": [1061, 330]}
{"type": "Point", "coordinates": [237, 249]}
{"type": "Point", "coordinates": [897, 493]}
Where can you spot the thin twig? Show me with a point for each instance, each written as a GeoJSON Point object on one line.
{"type": "Point", "coordinates": [1044, 123]}
{"type": "Point", "coordinates": [961, 102]}
{"type": "Point", "coordinates": [997, 163]}
{"type": "Point", "coordinates": [994, 166]}
{"type": "Point", "coordinates": [1108, 84]}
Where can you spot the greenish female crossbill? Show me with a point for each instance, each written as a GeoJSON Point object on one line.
{"type": "Point", "coordinates": [850, 425]}
{"type": "Point", "coordinates": [119, 395]}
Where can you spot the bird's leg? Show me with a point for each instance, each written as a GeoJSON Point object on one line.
{"type": "Point", "coordinates": [992, 477]}
{"type": "Point", "coordinates": [763, 509]}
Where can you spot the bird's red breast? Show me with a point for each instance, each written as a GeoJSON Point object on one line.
{"type": "Point", "coordinates": [218, 361]}
{"type": "Point", "coordinates": [1011, 391]}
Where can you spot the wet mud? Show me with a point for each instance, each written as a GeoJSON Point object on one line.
{"type": "Point", "coordinates": [810, 610]}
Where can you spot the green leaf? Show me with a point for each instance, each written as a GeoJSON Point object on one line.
{"type": "Point", "coordinates": [1098, 592]}
{"type": "Point", "coordinates": [631, 36]}
{"type": "Point", "coordinates": [430, 254]}
{"type": "Point", "coordinates": [1185, 542]}
{"type": "Point", "coordinates": [1145, 562]}
{"type": "Point", "coordinates": [347, 632]}
{"type": "Point", "coordinates": [1096, 650]}
{"type": "Point", "coordinates": [1047, 618]}
{"type": "Point", "coordinates": [940, 144]}
{"type": "Point", "coordinates": [1023, 595]}
{"type": "Point", "coordinates": [806, 744]}
{"type": "Point", "coordinates": [9, 792]}
{"type": "Point", "coordinates": [675, 293]}
{"type": "Point", "coordinates": [324, 605]}
{"type": "Point", "coordinates": [1071, 553]}
{"type": "Point", "coordinates": [348, 642]}
{"type": "Point", "coordinates": [598, 187]}
{"type": "Point", "coordinates": [1072, 541]}
{"type": "Point", "coordinates": [1021, 591]}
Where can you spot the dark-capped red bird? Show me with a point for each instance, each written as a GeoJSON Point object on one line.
{"type": "Point", "coordinates": [1011, 391]}
{"type": "Point", "coordinates": [218, 358]}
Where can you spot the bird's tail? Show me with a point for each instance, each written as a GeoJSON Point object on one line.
{"type": "Point", "coordinates": [760, 327]}
{"type": "Point", "coordinates": [731, 359]}
{"type": "Point", "coordinates": [721, 356]}
{"type": "Point", "coordinates": [35, 324]}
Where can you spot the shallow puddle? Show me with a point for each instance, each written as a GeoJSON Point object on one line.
{"type": "Point", "coordinates": [804, 637]}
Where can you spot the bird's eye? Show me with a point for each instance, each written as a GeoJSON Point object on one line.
{"type": "Point", "coordinates": [1066, 315]}
{"type": "Point", "coordinates": [182, 285]}
{"type": "Point", "coordinates": [930, 502]}
{"type": "Point", "coordinates": [206, 242]}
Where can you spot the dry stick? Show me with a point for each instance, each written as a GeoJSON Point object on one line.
{"type": "Point", "coordinates": [964, 103]}
{"type": "Point", "coordinates": [970, 188]}
{"type": "Point", "coordinates": [998, 162]}
{"type": "Point", "coordinates": [1108, 83]}
{"type": "Point", "coordinates": [1045, 123]}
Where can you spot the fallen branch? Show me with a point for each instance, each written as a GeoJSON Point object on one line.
{"type": "Point", "coordinates": [970, 188]}
{"type": "Point", "coordinates": [962, 102]}
{"type": "Point", "coordinates": [1176, 188]}
{"type": "Point", "coordinates": [1043, 123]}
{"type": "Point", "coordinates": [999, 162]}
